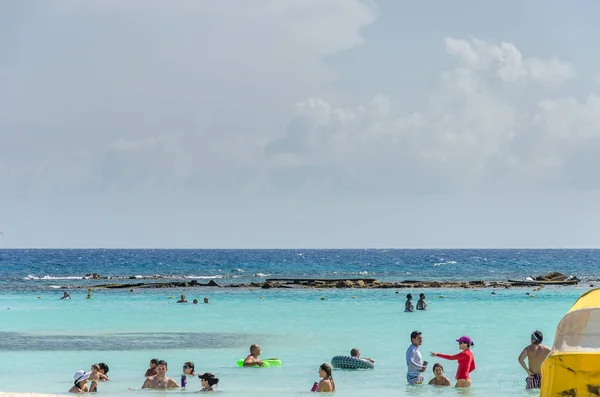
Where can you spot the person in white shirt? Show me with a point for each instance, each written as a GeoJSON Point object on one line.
{"type": "Point", "coordinates": [414, 361]}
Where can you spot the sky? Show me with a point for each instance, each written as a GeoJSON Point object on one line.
{"type": "Point", "coordinates": [299, 124]}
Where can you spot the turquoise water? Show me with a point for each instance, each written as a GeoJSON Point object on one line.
{"type": "Point", "coordinates": [45, 340]}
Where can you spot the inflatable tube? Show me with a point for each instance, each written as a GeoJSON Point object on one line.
{"type": "Point", "coordinates": [269, 362]}
{"type": "Point", "coordinates": [349, 362]}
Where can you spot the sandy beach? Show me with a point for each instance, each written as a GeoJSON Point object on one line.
{"type": "Point", "coordinates": [14, 394]}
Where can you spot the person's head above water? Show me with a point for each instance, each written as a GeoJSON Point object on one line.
{"type": "Point", "coordinates": [409, 296]}
{"type": "Point", "coordinates": [537, 337]}
{"type": "Point", "coordinates": [210, 378]}
{"type": "Point", "coordinates": [255, 350]}
{"type": "Point", "coordinates": [355, 352]}
{"type": "Point", "coordinates": [416, 338]}
{"type": "Point", "coordinates": [422, 295]}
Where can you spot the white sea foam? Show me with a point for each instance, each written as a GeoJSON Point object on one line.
{"type": "Point", "coordinates": [33, 277]}
{"type": "Point", "coordinates": [445, 263]}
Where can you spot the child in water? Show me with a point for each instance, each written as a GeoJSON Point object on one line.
{"type": "Point", "coordinates": [439, 379]}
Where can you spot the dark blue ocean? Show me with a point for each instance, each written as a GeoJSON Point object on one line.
{"type": "Point", "coordinates": [23, 269]}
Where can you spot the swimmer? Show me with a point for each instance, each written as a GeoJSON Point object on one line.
{"type": "Point", "coordinates": [206, 299]}
{"type": "Point", "coordinates": [209, 381]}
{"type": "Point", "coordinates": [439, 379]}
{"type": "Point", "coordinates": [182, 300]}
{"type": "Point", "coordinates": [252, 359]}
{"type": "Point", "coordinates": [421, 304]}
{"type": "Point", "coordinates": [188, 368]}
{"type": "Point", "coordinates": [81, 377]}
{"type": "Point", "coordinates": [408, 305]}
{"type": "Point", "coordinates": [356, 353]}
{"type": "Point", "coordinates": [326, 384]}
{"type": "Point", "coordinates": [195, 301]}
{"type": "Point", "coordinates": [160, 380]}
{"type": "Point", "coordinates": [66, 295]}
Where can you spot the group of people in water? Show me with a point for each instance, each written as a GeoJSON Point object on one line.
{"type": "Point", "coordinates": [156, 377]}
{"type": "Point", "coordinates": [535, 354]}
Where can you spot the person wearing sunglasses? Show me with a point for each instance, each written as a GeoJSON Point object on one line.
{"type": "Point", "coordinates": [466, 361]}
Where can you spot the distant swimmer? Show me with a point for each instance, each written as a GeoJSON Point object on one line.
{"type": "Point", "coordinates": [182, 300]}
{"type": "Point", "coordinates": [466, 361]}
{"type": "Point", "coordinates": [206, 299]}
{"type": "Point", "coordinates": [66, 295]}
{"type": "Point", "coordinates": [356, 353]}
{"type": "Point", "coordinates": [160, 380]}
{"type": "Point", "coordinates": [535, 353]}
{"type": "Point", "coordinates": [252, 358]}
{"type": "Point", "coordinates": [195, 301]}
{"type": "Point", "coordinates": [421, 304]}
{"type": "Point", "coordinates": [408, 305]}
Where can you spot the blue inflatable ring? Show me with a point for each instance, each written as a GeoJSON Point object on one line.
{"type": "Point", "coordinates": [349, 362]}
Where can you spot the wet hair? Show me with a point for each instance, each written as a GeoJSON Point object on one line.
{"type": "Point", "coordinates": [409, 296]}
{"type": "Point", "coordinates": [189, 364]}
{"type": "Point", "coordinates": [422, 295]}
{"type": "Point", "coordinates": [210, 378]}
{"type": "Point", "coordinates": [437, 365]}
{"type": "Point", "coordinates": [162, 362]}
{"type": "Point", "coordinates": [154, 361]}
{"type": "Point", "coordinates": [537, 336]}
{"type": "Point", "coordinates": [414, 334]}
{"type": "Point", "coordinates": [103, 367]}
{"type": "Point", "coordinates": [327, 369]}
{"type": "Point", "coordinates": [253, 348]}
{"type": "Point", "coordinates": [354, 352]}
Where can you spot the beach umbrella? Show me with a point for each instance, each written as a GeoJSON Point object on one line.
{"type": "Point", "coordinates": [573, 366]}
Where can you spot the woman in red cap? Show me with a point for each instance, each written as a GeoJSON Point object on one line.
{"type": "Point", "coordinates": [466, 361]}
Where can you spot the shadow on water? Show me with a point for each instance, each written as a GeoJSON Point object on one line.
{"type": "Point", "coordinates": [17, 341]}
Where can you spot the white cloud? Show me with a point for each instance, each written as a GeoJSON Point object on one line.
{"type": "Point", "coordinates": [507, 62]}
{"type": "Point", "coordinates": [473, 132]}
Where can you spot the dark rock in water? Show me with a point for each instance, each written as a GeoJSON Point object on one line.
{"type": "Point", "coordinates": [552, 276]}
{"type": "Point", "coordinates": [212, 283]}
{"type": "Point", "coordinates": [94, 276]}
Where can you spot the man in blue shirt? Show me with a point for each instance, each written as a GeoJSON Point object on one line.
{"type": "Point", "coordinates": [414, 361]}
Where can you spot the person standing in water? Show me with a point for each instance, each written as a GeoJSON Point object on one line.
{"type": "Point", "coordinates": [414, 361]}
{"type": "Point", "coordinates": [421, 304]}
{"type": "Point", "coordinates": [466, 361]}
{"type": "Point", "coordinates": [326, 384]}
{"type": "Point", "coordinates": [408, 305]}
{"type": "Point", "coordinates": [535, 354]}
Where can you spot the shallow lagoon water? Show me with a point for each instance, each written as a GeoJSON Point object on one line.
{"type": "Point", "coordinates": [45, 340]}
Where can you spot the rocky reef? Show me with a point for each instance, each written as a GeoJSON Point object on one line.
{"type": "Point", "coordinates": [553, 278]}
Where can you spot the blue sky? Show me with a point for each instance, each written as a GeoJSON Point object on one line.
{"type": "Point", "coordinates": [299, 123]}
